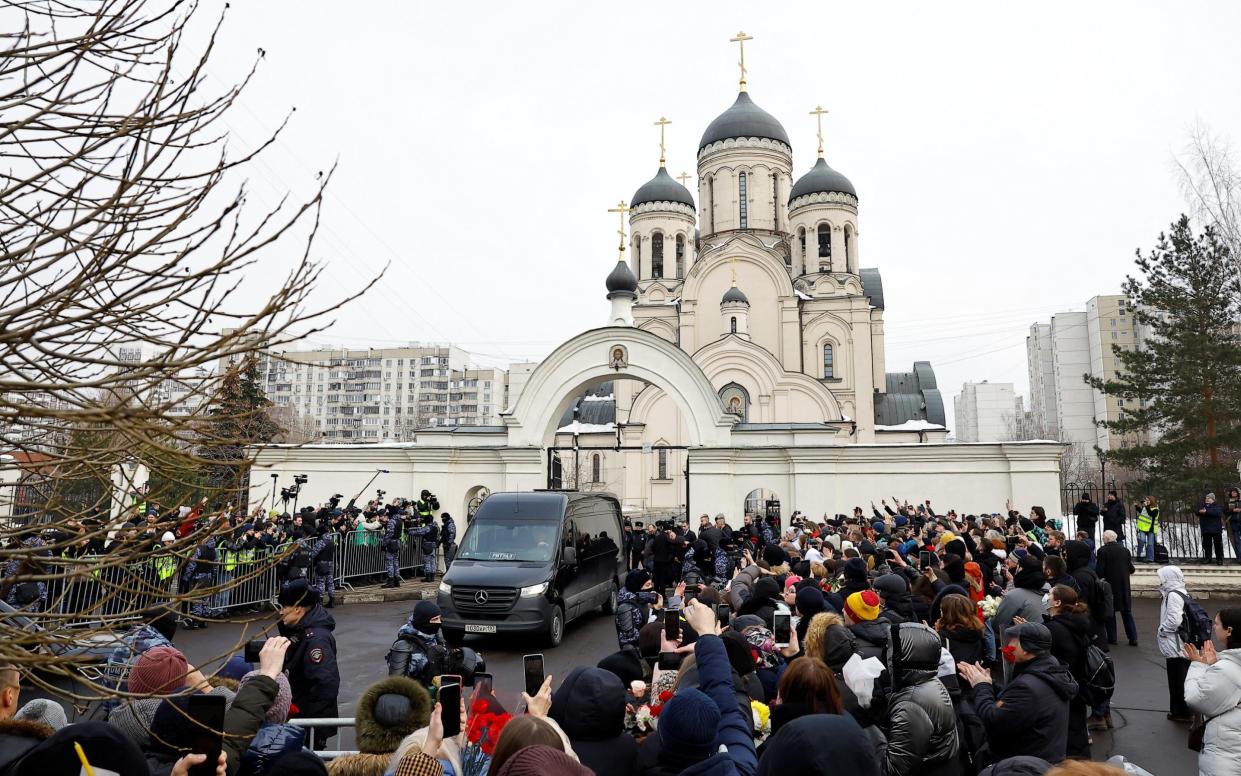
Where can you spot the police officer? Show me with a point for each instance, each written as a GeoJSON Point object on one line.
{"type": "Point", "coordinates": [419, 651]}
{"type": "Point", "coordinates": [390, 543]}
{"type": "Point", "coordinates": [311, 661]}
{"type": "Point", "coordinates": [428, 535]}
{"type": "Point", "coordinates": [323, 554]}
{"type": "Point", "coordinates": [448, 539]}
{"type": "Point", "coordinates": [199, 573]}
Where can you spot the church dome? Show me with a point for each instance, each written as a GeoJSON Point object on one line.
{"type": "Point", "coordinates": [621, 279]}
{"type": "Point", "coordinates": [822, 180]}
{"type": "Point", "coordinates": [744, 119]}
{"type": "Point", "coordinates": [662, 188]}
{"type": "Point", "coordinates": [734, 295]}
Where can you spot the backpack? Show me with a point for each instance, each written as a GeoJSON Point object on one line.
{"type": "Point", "coordinates": [1196, 624]}
{"type": "Point", "coordinates": [1100, 679]}
{"type": "Point", "coordinates": [1161, 554]}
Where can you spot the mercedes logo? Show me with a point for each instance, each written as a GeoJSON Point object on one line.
{"type": "Point", "coordinates": [480, 597]}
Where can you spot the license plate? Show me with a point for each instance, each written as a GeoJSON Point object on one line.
{"type": "Point", "coordinates": [480, 629]}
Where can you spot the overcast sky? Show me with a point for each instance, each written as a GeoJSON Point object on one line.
{"type": "Point", "coordinates": [1008, 158]}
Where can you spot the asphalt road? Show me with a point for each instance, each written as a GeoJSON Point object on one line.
{"type": "Point", "coordinates": [365, 631]}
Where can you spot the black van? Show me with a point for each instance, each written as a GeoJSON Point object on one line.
{"type": "Point", "coordinates": [531, 562]}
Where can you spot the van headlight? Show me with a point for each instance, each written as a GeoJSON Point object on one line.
{"type": "Point", "coordinates": [445, 588]}
{"type": "Point", "coordinates": [534, 591]}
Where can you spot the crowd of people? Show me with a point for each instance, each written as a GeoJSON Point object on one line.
{"type": "Point", "coordinates": [901, 642]}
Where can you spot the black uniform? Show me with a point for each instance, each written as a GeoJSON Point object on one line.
{"type": "Point", "coordinates": [313, 674]}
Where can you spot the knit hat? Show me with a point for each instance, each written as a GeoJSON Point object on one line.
{"type": "Point", "coordinates": [1034, 637]}
{"type": "Point", "coordinates": [766, 587]}
{"type": "Point", "coordinates": [1211, 496]}
{"type": "Point", "coordinates": [278, 712]}
{"type": "Point", "coordinates": [301, 763]}
{"type": "Point", "coordinates": [901, 521]}
{"type": "Point", "coordinates": [862, 606]}
{"type": "Point", "coordinates": [635, 580]}
{"type": "Point", "coordinates": [159, 670]}
{"type": "Point", "coordinates": [688, 724]}
{"type": "Point", "coordinates": [878, 526]}
{"type": "Point", "coordinates": [774, 555]}
{"type": "Point", "coordinates": [891, 584]}
{"type": "Point", "coordinates": [856, 571]}
{"type": "Point", "coordinates": [424, 612]}
{"type": "Point", "coordinates": [106, 747]}
{"type": "Point", "coordinates": [541, 760]}
{"type": "Point", "coordinates": [298, 593]}
{"type": "Point", "coordinates": [235, 668]}
{"type": "Point", "coordinates": [809, 602]}
{"type": "Point", "coordinates": [45, 712]}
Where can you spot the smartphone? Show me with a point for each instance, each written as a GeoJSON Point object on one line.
{"type": "Point", "coordinates": [206, 714]}
{"type": "Point", "coordinates": [253, 648]}
{"type": "Point", "coordinates": [672, 624]}
{"type": "Point", "coordinates": [483, 684]}
{"type": "Point", "coordinates": [450, 679]}
{"type": "Point", "coordinates": [668, 593]}
{"type": "Point", "coordinates": [924, 559]}
{"type": "Point", "coordinates": [534, 674]}
{"type": "Point", "coordinates": [450, 708]}
{"type": "Point", "coordinates": [723, 614]}
{"type": "Point", "coordinates": [782, 628]}
{"type": "Point", "coordinates": [670, 661]}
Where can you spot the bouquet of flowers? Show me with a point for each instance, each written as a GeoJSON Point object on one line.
{"type": "Point", "coordinates": [481, 734]}
{"type": "Point", "coordinates": [762, 720]}
{"type": "Point", "coordinates": [989, 606]}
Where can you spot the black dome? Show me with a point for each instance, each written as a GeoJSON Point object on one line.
{"type": "Point", "coordinates": [661, 188]}
{"type": "Point", "coordinates": [744, 119]}
{"type": "Point", "coordinates": [622, 279]}
{"type": "Point", "coordinates": [822, 180]}
{"type": "Point", "coordinates": [734, 295]}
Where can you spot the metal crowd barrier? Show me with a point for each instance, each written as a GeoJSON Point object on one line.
{"type": "Point", "coordinates": [310, 723]}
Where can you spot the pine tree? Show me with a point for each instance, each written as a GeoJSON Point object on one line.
{"type": "Point", "coordinates": [239, 418]}
{"type": "Point", "coordinates": [1181, 383]}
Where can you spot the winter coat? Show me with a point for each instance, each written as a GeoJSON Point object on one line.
{"type": "Point", "coordinates": [589, 705]}
{"type": "Point", "coordinates": [922, 724]}
{"type": "Point", "coordinates": [1087, 514]}
{"type": "Point", "coordinates": [965, 644]}
{"type": "Point", "coordinates": [1030, 715]}
{"type": "Point", "coordinates": [1171, 608]}
{"type": "Point", "coordinates": [270, 744]}
{"type": "Point", "coordinates": [820, 745]}
{"type": "Point", "coordinates": [1212, 520]}
{"type": "Point", "coordinates": [742, 586]}
{"type": "Point", "coordinates": [872, 639]}
{"type": "Point", "coordinates": [1017, 602]}
{"type": "Point", "coordinates": [1070, 637]}
{"type": "Point", "coordinates": [1114, 518]}
{"type": "Point", "coordinates": [1214, 691]}
{"type": "Point", "coordinates": [1077, 558]}
{"type": "Point", "coordinates": [377, 739]}
{"type": "Point", "coordinates": [1114, 563]}
{"type": "Point", "coordinates": [245, 717]}
{"type": "Point", "coordinates": [18, 736]}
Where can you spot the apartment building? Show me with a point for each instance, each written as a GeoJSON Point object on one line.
{"type": "Point", "coordinates": [986, 412]}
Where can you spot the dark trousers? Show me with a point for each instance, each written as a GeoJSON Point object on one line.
{"type": "Point", "coordinates": [1131, 627]}
{"type": "Point", "coordinates": [1178, 669]}
{"type": "Point", "coordinates": [1215, 540]}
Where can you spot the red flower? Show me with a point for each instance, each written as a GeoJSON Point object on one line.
{"type": "Point", "coordinates": [478, 707]}
{"type": "Point", "coordinates": [656, 709]}
{"type": "Point", "coordinates": [665, 696]}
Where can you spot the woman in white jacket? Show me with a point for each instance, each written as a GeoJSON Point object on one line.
{"type": "Point", "coordinates": [1172, 587]}
{"type": "Point", "coordinates": [1213, 689]}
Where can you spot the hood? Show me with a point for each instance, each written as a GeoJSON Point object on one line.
{"type": "Point", "coordinates": [497, 573]}
{"type": "Point", "coordinates": [590, 704]}
{"type": "Point", "coordinates": [915, 654]}
{"type": "Point", "coordinates": [389, 710]}
{"type": "Point", "coordinates": [1076, 554]}
{"type": "Point", "coordinates": [1029, 574]}
{"type": "Point", "coordinates": [874, 631]}
{"type": "Point", "coordinates": [1051, 672]}
{"type": "Point", "coordinates": [1170, 579]}
{"type": "Point", "coordinates": [819, 745]}
{"type": "Point", "coordinates": [1077, 624]}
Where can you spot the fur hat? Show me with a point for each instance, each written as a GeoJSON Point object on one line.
{"type": "Point", "coordinates": [389, 710]}
{"type": "Point", "coordinates": [298, 593]}
{"type": "Point", "coordinates": [278, 712]}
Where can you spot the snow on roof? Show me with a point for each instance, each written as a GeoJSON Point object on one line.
{"type": "Point", "coordinates": [609, 397]}
{"type": "Point", "coordinates": [913, 425]}
{"type": "Point", "coordinates": [578, 427]}
{"type": "Point", "coordinates": [802, 294]}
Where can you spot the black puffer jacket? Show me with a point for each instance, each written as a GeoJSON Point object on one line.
{"type": "Point", "coordinates": [922, 725]}
{"type": "Point", "coordinates": [872, 638]}
{"type": "Point", "coordinates": [1030, 716]}
{"type": "Point", "coordinates": [589, 706]}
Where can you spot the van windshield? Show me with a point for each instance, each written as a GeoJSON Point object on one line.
{"type": "Point", "coordinates": [526, 540]}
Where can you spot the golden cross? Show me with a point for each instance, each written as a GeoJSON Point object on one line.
{"type": "Point", "coordinates": [683, 177]}
{"type": "Point", "coordinates": [818, 114]}
{"type": "Point", "coordinates": [740, 41]}
{"type": "Point", "coordinates": [622, 208]}
{"type": "Point", "coordinates": [663, 122]}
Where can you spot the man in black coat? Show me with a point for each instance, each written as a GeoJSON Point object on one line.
{"type": "Point", "coordinates": [1087, 514]}
{"type": "Point", "coordinates": [1030, 716]}
{"type": "Point", "coordinates": [1114, 563]}
{"type": "Point", "coordinates": [1114, 516]}
{"type": "Point", "coordinates": [311, 661]}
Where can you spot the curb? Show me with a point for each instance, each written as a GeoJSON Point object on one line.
{"type": "Point", "coordinates": [376, 594]}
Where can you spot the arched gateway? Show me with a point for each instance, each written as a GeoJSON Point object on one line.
{"type": "Point", "coordinates": [616, 352]}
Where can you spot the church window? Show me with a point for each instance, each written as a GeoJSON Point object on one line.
{"type": "Point", "coordinates": [711, 204]}
{"type": "Point", "coordinates": [657, 255]}
{"type": "Point", "coordinates": [733, 324]}
{"type": "Point", "coordinates": [745, 221]}
{"type": "Point", "coordinates": [663, 463]}
{"type": "Point", "coordinates": [775, 201]}
{"type": "Point", "coordinates": [848, 248]}
{"type": "Point", "coordinates": [596, 468]}
{"type": "Point", "coordinates": [680, 256]}
{"type": "Point", "coordinates": [825, 241]}
{"type": "Point", "coordinates": [637, 254]}
{"type": "Point", "coordinates": [827, 361]}
{"type": "Point", "coordinates": [801, 238]}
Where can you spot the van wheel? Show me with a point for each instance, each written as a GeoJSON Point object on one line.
{"type": "Point", "coordinates": [555, 628]}
{"type": "Point", "coordinates": [609, 605]}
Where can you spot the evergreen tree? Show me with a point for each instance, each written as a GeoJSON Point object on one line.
{"type": "Point", "coordinates": [1182, 382]}
{"type": "Point", "coordinates": [239, 417]}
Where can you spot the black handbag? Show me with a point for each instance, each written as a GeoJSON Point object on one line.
{"type": "Point", "coordinates": [1197, 732]}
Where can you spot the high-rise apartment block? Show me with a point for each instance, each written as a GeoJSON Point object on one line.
{"type": "Point", "coordinates": [986, 412]}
